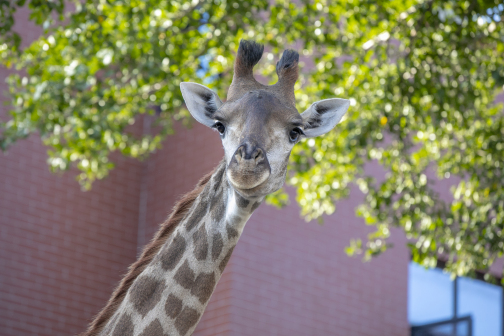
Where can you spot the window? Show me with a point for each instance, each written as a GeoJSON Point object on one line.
{"type": "Point", "coordinates": [483, 301]}
{"type": "Point", "coordinates": [431, 298]}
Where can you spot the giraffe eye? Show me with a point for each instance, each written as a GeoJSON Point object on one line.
{"type": "Point", "coordinates": [295, 134]}
{"type": "Point", "coordinates": [219, 127]}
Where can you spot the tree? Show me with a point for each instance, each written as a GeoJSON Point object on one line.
{"type": "Point", "coordinates": [423, 76]}
{"type": "Point", "coordinates": [40, 12]}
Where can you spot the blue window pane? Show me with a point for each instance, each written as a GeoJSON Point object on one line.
{"type": "Point", "coordinates": [455, 327]}
{"type": "Point", "coordinates": [459, 329]}
{"type": "Point", "coordinates": [483, 301]}
{"type": "Point", "coordinates": [430, 295]}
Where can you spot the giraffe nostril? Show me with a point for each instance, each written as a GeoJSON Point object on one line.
{"type": "Point", "coordinates": [258, 155]}
{"type": "Point", "coordinates": [239, 154]}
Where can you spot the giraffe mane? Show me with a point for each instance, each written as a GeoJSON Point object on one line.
{"type": "Point", "coordinates": [180, 210]}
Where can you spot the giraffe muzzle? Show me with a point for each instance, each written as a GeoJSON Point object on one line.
{"type": "Point", "coordinates": [249, 167]}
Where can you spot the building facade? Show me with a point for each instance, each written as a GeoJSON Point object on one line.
{"type": "Point", "coordinates": [62, 250]}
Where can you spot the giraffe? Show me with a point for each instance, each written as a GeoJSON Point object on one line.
{"type": "Point", "coordinates": [167, 289]}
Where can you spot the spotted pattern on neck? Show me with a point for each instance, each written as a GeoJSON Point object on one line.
{"type": "Point", "coordinates": [170, 295]}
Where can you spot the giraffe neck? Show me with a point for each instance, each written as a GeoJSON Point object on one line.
{"type": "Point", "coordinates": [170, 295]}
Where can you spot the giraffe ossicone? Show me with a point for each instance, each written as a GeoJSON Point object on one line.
{"type": "Point", "coordinates": [167, 289]}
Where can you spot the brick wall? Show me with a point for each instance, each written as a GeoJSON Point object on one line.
{"type": "Point", "coordinates": [61, 250]}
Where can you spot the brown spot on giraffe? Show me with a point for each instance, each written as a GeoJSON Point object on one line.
{"type": "Point", "coordinates": [224, 261]}
{"type": "Point", "coordinates": [199, 210]}
{"type": "Point", "coordinates": [231, 231]}
{"type": "Point", "coordinates": [217, 245]}
{"type": "Point", "coordinates": [200, 243]}
{"type": "Point", "coordinates": [186, 320]}
{"type": "Point", "coordinates": [146, 293]}
{"type": "Point", "coordinates": [185, 275]}
{"type": "Point", "coordinates": [154, 329]}
{"type": "Point", "coordinates": [171, 255]}
{"type": "Point", "coordinates": [173, 306]}
{"type": "Point", "coordinates": [203, 286]}
{"type": "Point", "coordinates": [218, 206]}
{"type": "Point", "coordinates": [218, 179]}
{"type": "Point", "coordinates": [124, 327]}
{"type": "Point", "coordinates": [255, 206]}
{"type": "Point", "coordinates": [240, 201]}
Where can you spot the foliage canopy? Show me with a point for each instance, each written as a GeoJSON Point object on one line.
{"type": "Point", "coordinates": [422, 76]}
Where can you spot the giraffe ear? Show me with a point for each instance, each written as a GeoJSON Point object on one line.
{"type": "Point", "coordinates": [322, 116]}
{"type": "Point", "coordinates": [201, 102]}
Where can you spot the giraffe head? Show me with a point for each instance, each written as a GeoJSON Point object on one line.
{"type": "Point", "coordinates": [259, 124]}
